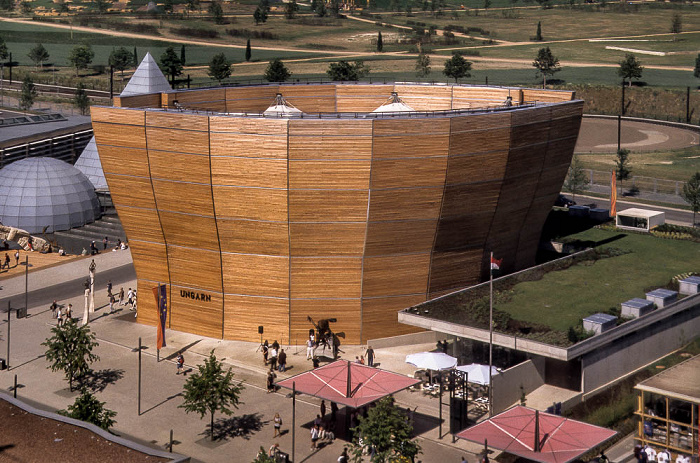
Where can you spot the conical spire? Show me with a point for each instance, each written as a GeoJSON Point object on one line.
{"type": "Point", "coordinates": [281, 107]}
{"type": "Point", "coordinates": [393, 105]}
{"type": "Point", "coordinates": [148, 78]}
{"type": "Point", "coordinates": [89, 164]}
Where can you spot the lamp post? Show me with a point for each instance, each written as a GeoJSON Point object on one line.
{"type": "Point", "coordinates": [92, 268]}
{"type": "Point", "coordinates": [86, 313]}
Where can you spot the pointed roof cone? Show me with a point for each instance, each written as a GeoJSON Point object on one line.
{"type": "Point", "coordinates": [147, 78]}
{"type": "Point", "coordinates": [89, 164]}
{"type": "Point", "coordinates": [393, 105]}
{"type": "Point", "coordinates": [281, 107]}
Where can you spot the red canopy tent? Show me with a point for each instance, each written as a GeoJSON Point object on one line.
{"type": "Point", "coordinates": [348, 383]}
{"type": "Point", "coordinates": [537, 436]}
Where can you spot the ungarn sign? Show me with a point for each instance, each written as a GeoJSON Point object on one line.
{"type": "Point", "coordinates": [195, 295]}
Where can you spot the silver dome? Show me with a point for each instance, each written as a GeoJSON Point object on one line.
{"type": "Point", "coordinates": [40, 192]}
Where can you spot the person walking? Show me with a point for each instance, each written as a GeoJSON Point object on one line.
{"type": "Point", "coordinates": [273, 357]}
{"type": "Point", "coordinates": [277, 421]}
{"type": "Point", "coordinates": [121, 296]}
{"type": "Point", "coordinates": [53, 307]}
{"type": "Point", "coordinates": [265, 351]}
{"type": "Point", "coordinates": [271, 381]}
{"type": "Point", "coordinates": [16, 258]}
{"type": "Point", "coordinates": [282, 361]}
{"type": "Point", "coordinates": [309, 348]}
{"type": "Point", "coordinates": [370, 356]}
{"type": "Point", "coordinates": [59, 316]}
{"type": "Point", "coordinates": [105, 242]}
{"type": "Point", "coordinates": [112, 300]}
{"type": "Point", "coordinates": [180, 361]}
{"type": "Point", "coordinates": [69, 312]}
{"type": "Point", "coordinates": [7, 261]}
{"type": "Point", "coordinates": [109, 288]}
{"type": "Point", "coordinates": [130, 298]}
{"type": "Point", "coordinates": [314, 437]}
{"type": "Point", "coordinates": [323, 409]}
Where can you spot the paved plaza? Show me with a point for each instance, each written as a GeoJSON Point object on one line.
{"type": "Point", "coordinates": [117, 377]}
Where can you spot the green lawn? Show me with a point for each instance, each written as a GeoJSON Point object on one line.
{"type": "Point", "coordinates": [562, 298]}
{"type": "Point", "coordinates": [676, 165]}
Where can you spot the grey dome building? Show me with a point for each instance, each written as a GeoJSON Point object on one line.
{"type": "Point", "coordinates": [40, 192]}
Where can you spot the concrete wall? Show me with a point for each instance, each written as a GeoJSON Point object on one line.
{"type": "Point", "coordinates": [506, 385]}
{"type": "Point", "coordinates": [407, 339]}
{"type": "Point", "coordinates": [639, 348]}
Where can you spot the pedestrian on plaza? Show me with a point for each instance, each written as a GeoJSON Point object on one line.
{"type": "Point", "coordinates": [109, 288]}
{"type": "Point", "coordinates": [277, 421]}
{"type": "Point", "coordinates": [273, 357]}
{"type": "Point", "coordinates": [53, 307]}
{"type": "Point", "coordinates": [69, 312]}
{"type": "Point", "coordinates": [309, 348]}
{"type": "Point", "coordinates": [121, 296]}
{"type": "Point", "coordinates": [104, 243]}
{"type": "Point", "coordinates": [7, 261]}
{"type": "Point", "coordinates": [282, 361]}
{"type": "Point", "coordinates": [314, 437]}
{"type": "Point", "coordinates": [59, 316]}
{"type": "Point", "coordinates": [130, 298]}
{"type": "Point", "coordinates": [271, 381]}
{"type": "Point", "coordinates": [323, 409]}
{"type": "Point", "coordinates": [16, 258]}
{"type": "Point", "coordinates": [370, 356]}
{"type": "Point", "coordinates": [180, 361]}
{"type": "Point", "coordinates": [334, 412]}
{"type": "Point", "coordinates": [265, 351]}
{"type": "Point", "coordinates": [362, 359]}
{"type": "Point", "coordinates": [274, 450]}
{"type": "Point", "coordinates": [112, 300]}
{"type": "Point", "coordinates": [343, 458]}
{"type": "Point", "coordinates": [357, 359]}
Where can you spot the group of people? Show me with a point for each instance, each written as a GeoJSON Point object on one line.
{"type": "Point", "coordinates": [120, 298]}
{"type": "Point", "coordinates": [646, 453]}
{"type": "Point", "coordinates": [274, 356]}
{"type": "Point", "coordinates": [61, 313]}
{"type": "Point", "coordinates": [6, 261]}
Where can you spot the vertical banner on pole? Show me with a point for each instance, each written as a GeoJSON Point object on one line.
{"type": "Point", "coordinates": [613, 194]}
{"type": "Point", "coordinates": [162, 300]}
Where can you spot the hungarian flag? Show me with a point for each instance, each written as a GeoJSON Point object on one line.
{"type": "Point", "coordinates": [495, 264]}
{"type": "Point", "coordinates": [162, 303]}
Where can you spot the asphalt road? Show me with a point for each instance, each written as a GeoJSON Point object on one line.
{"type": "Point", "coordinates": [676, 216]}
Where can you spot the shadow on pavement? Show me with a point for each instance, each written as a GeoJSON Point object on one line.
{"type": "Point", "coordinates": [239, 426]}
{"type": "Point", "coordinates": [97, 381]}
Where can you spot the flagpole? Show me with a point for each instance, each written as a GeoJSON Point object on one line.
{"type": "Point", "coordinates": [490, 334]}
{"type": "Point", "coordinates": [160, 324]}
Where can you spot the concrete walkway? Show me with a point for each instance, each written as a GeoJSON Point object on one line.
{"type": "Point", "coordinates": [117, 381]}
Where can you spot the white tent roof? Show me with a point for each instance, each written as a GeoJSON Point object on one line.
{"type": "Point", "coordinates": [393, 105]}
{"type": "Point", "coordinates": [89, 164]}
{"type": "Point", "coordinates": [148, 78]}
{"type": "Point", "coordinates": [281, 108]}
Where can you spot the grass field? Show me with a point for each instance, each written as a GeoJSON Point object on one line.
{"type": "Point", "coordinates": [676, 165]}
{"type": "Point", "coordinates": [562, 298]}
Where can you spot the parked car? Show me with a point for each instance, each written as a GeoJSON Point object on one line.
{"type": "Point", "coordinates": [563, 201]}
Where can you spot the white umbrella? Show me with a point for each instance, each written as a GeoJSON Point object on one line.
{"type": "Point", "coordinates": [432, 360]}
{"type": "Point", "coordinates": [477, 373]}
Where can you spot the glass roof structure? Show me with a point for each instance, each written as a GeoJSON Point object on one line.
{"type": "Point", "coordinates": [46, 192]}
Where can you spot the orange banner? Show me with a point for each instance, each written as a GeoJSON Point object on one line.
{"type": "Point", "coordinates": [613, 194]}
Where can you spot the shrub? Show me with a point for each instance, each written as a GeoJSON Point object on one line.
{"type": "Point", "coordinates": [195, 32]}
{"type": "Point", "coordinates": [247, 33]}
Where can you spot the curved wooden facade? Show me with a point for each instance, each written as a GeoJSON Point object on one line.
{"type": "Point", "coordinates": [255, 220]}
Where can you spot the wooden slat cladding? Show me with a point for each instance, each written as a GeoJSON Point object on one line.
{"type": "Point", "coordinates": [480, 134]}
{"type": "Point", "coordinates": [310, 99]}
{"type": "Point", "coordinates": [479, 97]}
{"type": "Point", "coordinates": [253, 99]}
{"type": "Point", "coordinates": [385, 238]}
{"type": "Point", "coordinates": [425, 98]}
{"type": "Point", "coordinates": [118, 115]}
{"type": "Point", "coordinates": [252, 275]}
{"type": "Point", "coordinates": [131, 191]}
{"type": "Point", "coordinates": [395, 275]}
{"type": "Point", "coordinates": [332, 175]}
{"type": "Point", "coordinates": [476, 168]}
{"type": "Point", "coordinates": [326, 277]}
{"type": "Point", "coordinates": [122, 135]}
{"type": "Point", "coordinates": [253, 237]}
{"type": "Point", "coordinates": [346, 311]}
{"type": "Point", "coordinates": [463, 232]}
{"type": "Point", "coordinates": [327, 205]}
{"type": "Point", "coordinates": [150, 261]}
{"type": "Point", "coordinates": [251, 203]}
{"type": "Point", "coordinates": [454, 270]}
{"type": "Point", "coordinates": [124, 161]}
{"type": "Point", "coordinates": [204, 318]}
{"type": "Point", "coordinates": [237, 171]}
{"type": "Point", "coordinates": [142, 223]}
{"type": "Point", "coordinates": [148, 312]}
{"type": "Point", "coordinates": [188, 198]}
{"type": "Point", "coordinates": [152, 100]}
{"type": "Point", "coordinates": [207, 99]}
{"type": "Point", "coordinates": [252, 138]}
{"type": "Point", "coordinates": [175, 121]}
{"type": "Point", "coordinates": [330, 139]}
{"type": "Point", "coordinates": [362, 98]}
{"type": "Point", "coordinates": [326, 239]}
{"type": "Point", "coordinates": [470, 198]}
{"type": "Point", "coordinates": [189, 230]}
{"type": "Point", "coordinates": [380, 316]}
{"type": "Point", "coordinates": [244, 314]}
{"type": "Point", "coordinates": [410, 138]}
{"type": "Point", "coordinates": [547, 96]}
{"type": "Point", "coordinates": [179, 167]}
{"type": "Point", "coordinates": [405, 204]}
{"type": "Point", "coordinates": [412, 172]}
{"type": "Point", "coordinates": [195, 268]}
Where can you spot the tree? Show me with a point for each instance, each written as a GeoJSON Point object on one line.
{"type": "Point", "coordinates": [696, 71]}
{"type": "Point", "coordinates": [183, 57]}
{"type": "Point", "coordinates": [576, 180]}
{"type": "Point", "coordinates": [248, 51]}
{"type": "Point", "coordinates": [261, 12]}
{"type": "Point", "coordinates": [102, 5]}
{"type": "Point", "coordinates": [423, 65]}
{"type": "Point", "coordinates": [70, 350]}
{"type": "Point", "coordinates": [487, 4]}
{"type": "Point", "coordinates": [276, 71]}
{"type": "Point", "coordinates": [26, 7]}
{"type": "Point", "coordinates": [630, 68]}
{"type": "Point", "coordinates": [547, 64]}
{"type": "Point", "coordinates": [387, 430]}
{"type": "Point", "coordinates": [335, 8]}
{"type": "Point", "coordinates": [136, 58]}
{"type": "Point", "coordinates": [538, 34]}
{"type": "Point", "coordinates": [168, 6]}
{"type": "Point", "coordinates": [262, 457]}
{"type": "Point", "coordinates": [192, 5]}
{"type": "Point", "coordinates": [380, 42]}
{"type": "Point", "coordinates": [81, 100]}
{"type": "Point", "coordinates": [217, 12]}
{"type": "Point", "coordinates": [87, 408]}
{"type": "Point", "coordinates": [622, 165]}
{"type": "Point", "coordinates": [121, 59]}
{"type": "Point", "coordinates": [676, 24]}
{"type": "Point", "coordinates": [80, 57]}
{"type": "Point", "coordinates": [219, 67]}
{"type": "Point", "coordinates": [290, 9]}
{"type": "Point", "coordinates": [211, 390]}
{"type": "Point", "coordinates": [7, 5]}
{"type": "Point", "coordinates": [28, 94]}
{"type": "Point", "coordinates": [319, 7]}
{"type": "Point", "coordinates": [691, 193]}
{"type": "Point", "coordinates": [38, 54]}
{"type": "Point", "coordinates": [457, 67]}
{"type": "Point", "coordinates": [342, 71]}
{"type": "Point", "coordinates": [170, 64]}
{"type": "Point", "coordinates": [4, 52]}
